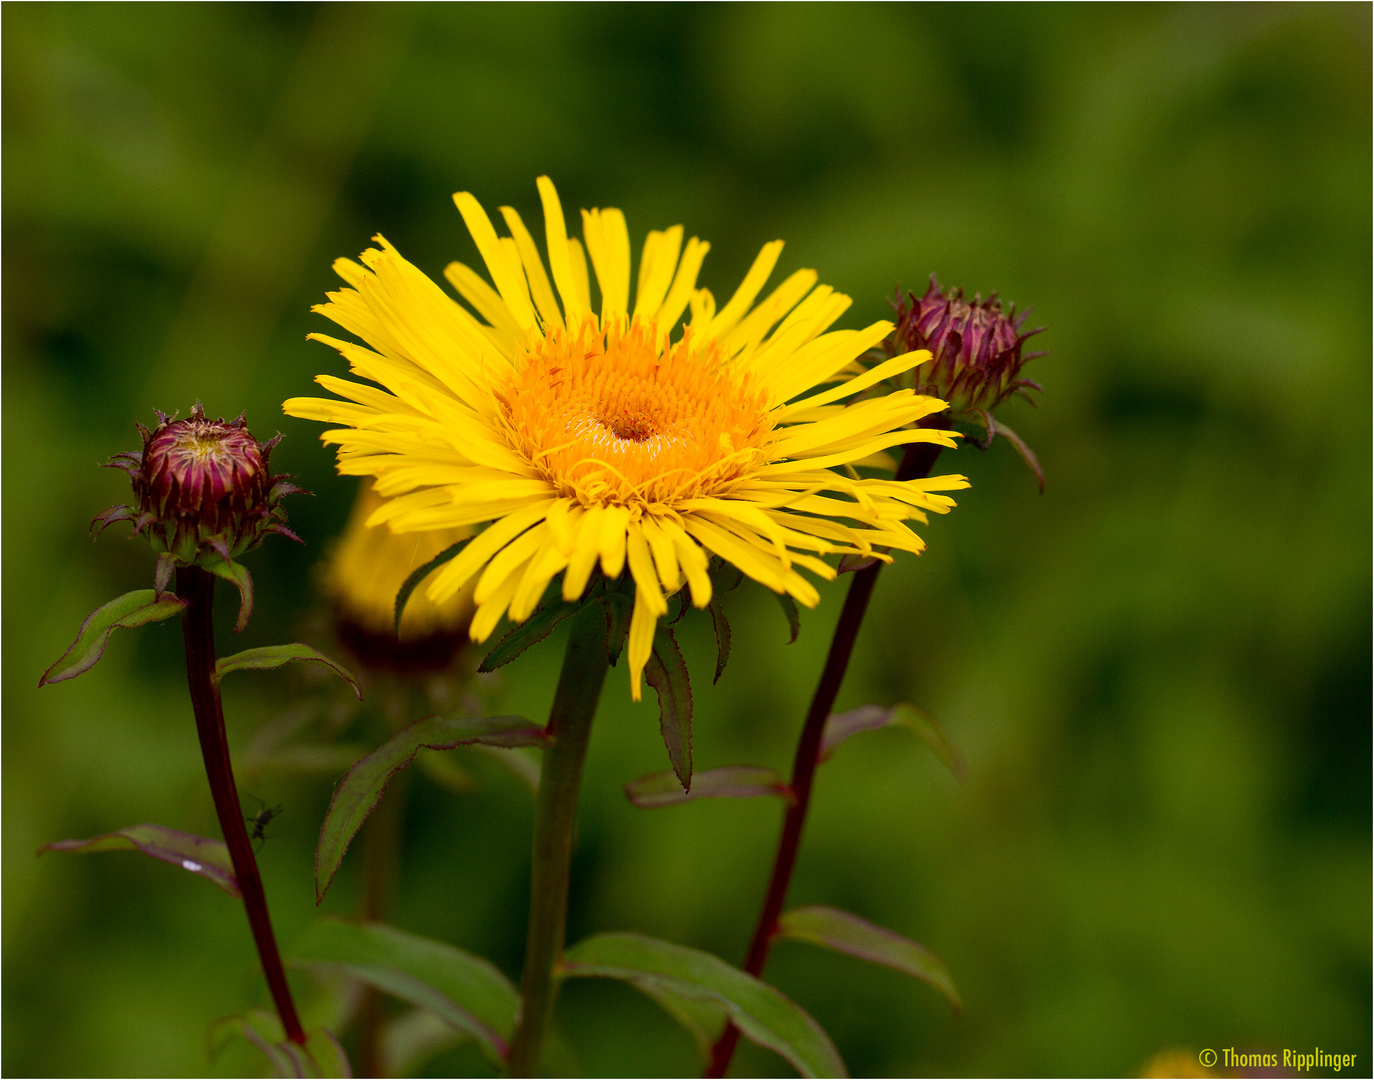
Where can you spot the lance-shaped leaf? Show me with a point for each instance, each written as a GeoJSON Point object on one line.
{"type": "Point", "coordinates": [789, 608]}
{"type": "Point", "coordinates": [321, 1056]}
{"type": "Point", "coordinates": [619, 608]}
{"type": "Point", "coordinates": [411, 1040]}
{"type": "Point", "coordinates": [530, 632]}
{"type": "Point", "coordinates": [840, 726]}
{"type": "Point", "coordinates": [108, 517]}
{"type": "Point", "coordinates": [162, 576]}
{"type": "Point", "coordinates": [420, 573]}
{"type": "Point", "coordinates": [198, 854]}
{"type": "Point", "coordinates": [448, 773]}
{"type": "Point", "coordinates": [666, 672]}
{"type": "Point", "coordinates": [721, 625]}
{"type": "Point", "coordinates": [275, 656]}
{"type": "Point", "coordinates": [996, 427]}
{"type": "Point", "coordinates": [846, 933]}
{"type": "Point", "coordinates": [238, 576]}
{"type": "Point", "coordinates": [326, 1054]}
{"type": "Point", "coordinates": [852, 563]}
{"type": "Point", "coordinates": [763, 1014]}
{"type": "Point", "coordinates": [524, 767]}
{"type": "Point", "coordinates": [465, 991]}
{"type": "Point", "coordinates": [727, 782]}
{"type": "Point", "coordinates": [261, 1030]}
{"type": "Point", "coordinates": [362, 786]}
{"type": "Point", "coordinates": [132, 609]}
{"type": "Point", "coordinates": [301, 759]}
{"type": "Point", "coordinates": [704, 1018]}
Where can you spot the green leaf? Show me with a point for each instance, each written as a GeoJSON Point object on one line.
{"type": "Point", "coordinates": [852, 563]}
{"type": "Point", "coordinates": [523, 766]}
{"type": "Point", "coordinates": [530, 632]}
{"type": "Point", "coordinates": [666, 672]}
{"type": "Point", "coordinates": [846, 933]}
{"type": "Point", "coordinates": [420, 573]}
{"type": "Point", "coordinates": [295, 759]}
{"type": "Point", "coordinates": [996, 427]}
{"type": "Point", "coordinates": [725, 577]}
{"type": "Point", "coordinates": [704, 1018]}
{"type": "Point", "coordinates": [362, 786]}
{"type": "Point", "coordinates": [198, 854]}
{"type": "Point", "coordinates": [410, 1041]}
{"type": "Point", "coordinates": [761, 1013]}
{"type": "Point", "coordinates": [275, 656]}
{"type": "Point", "coordinates": [132, 609]}
{"type": "Point", "coordinates": [259, 1029]}
{"type": "Point", "coordinates": [729, 782]}
{"type": "Point", "coordinates": [619, 608]}
{"type": "Point", "coordinates": [321, 1056]}
{"type": "Point", "coordinates": [237, 575]}
{"type": "Point", "coordinates": [840, 726]}
{"type": "Point", "coordinates": [789, 608]}
{"type": "Point", "coordinates": [721, 625]}
{"type": "Point", "coordinates": [448, 773]}
{"type": "Point", "coordinates": [465, 991]}
{"type": "Point", "coordinates": [167, 563]}
{"type": "Point", "coordinates": [326, 1054]}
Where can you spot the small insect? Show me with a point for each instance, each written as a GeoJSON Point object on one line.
{"type": "Point", "coordinates": [260, 821]}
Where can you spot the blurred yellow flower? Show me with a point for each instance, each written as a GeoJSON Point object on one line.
{"type": "Point", "coordinates": [589, 437]}
{"type": "Point", "coordinates": [367, 568]}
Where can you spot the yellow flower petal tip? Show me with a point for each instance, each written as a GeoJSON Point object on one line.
{"type": "Point", "coordinates": [616, 434]}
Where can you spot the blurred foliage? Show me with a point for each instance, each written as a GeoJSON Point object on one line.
{"type": "Point", "coordinates": [1159, 672]}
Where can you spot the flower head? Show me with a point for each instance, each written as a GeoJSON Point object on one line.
{"type": "Point", "coordinates": [204, 495]}
{"type": "Point", "coordinates": [611, 436]}
{"type": "Point", "coordinates": [977, 347]}
{"type": "Point", "coordinates": [366, 570]}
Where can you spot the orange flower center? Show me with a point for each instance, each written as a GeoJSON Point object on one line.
{"type": "Point", "coordinates": [615, 417]}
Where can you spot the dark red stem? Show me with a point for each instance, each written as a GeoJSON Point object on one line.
{"type": "Point", "coordinates": [916, 463]}
{"type": "Point", "coordinates": [197, 588]}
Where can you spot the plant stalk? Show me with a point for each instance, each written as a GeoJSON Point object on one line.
{"type": "Point", "coordinates": [197, 588]}
{"type": "Point", "coordinates": [916, 463]}
{"type": "Point", "coordinates": [570, 723]}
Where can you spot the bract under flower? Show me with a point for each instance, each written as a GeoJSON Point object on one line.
{"type": "Point", "coordinates": [609, 437]}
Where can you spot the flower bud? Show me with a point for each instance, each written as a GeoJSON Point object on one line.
{"type": "Point", "coordinates": [364, 573]}
{"type": "Point", "coordinates": [203, 491]}
{"type": "Point", "coordinates": [976, 348]}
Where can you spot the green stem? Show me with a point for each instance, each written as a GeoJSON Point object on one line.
{"type": "Point", "coordinates": [570, 723]}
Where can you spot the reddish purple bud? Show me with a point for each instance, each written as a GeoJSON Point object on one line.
{"type": "Point", "coordinates": [976, 347]}
{"type": "Point", "coordinates": [203, 490]}
{"type": "Point", "coordinates": [204, 470]}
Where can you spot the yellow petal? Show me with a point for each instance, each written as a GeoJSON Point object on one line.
{"type": "Point", "coordinates": [509, 279]}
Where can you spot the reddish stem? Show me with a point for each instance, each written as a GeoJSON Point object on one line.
{"type": "Point", "coordinates": [197, 588]}
{"type": "Point", "coordinates": [916, 463]}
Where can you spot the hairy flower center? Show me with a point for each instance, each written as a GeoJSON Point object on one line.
{"type": "Point", "coordinates": [619, 418]}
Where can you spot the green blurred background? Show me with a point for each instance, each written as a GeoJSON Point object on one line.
{"type": "Point", "coordinates": [1159, 671]}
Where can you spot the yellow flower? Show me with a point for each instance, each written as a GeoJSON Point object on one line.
{"type": "Point", "coordinates": [368, 567]}
{"type": "Point", "coordinates": [610, 437]}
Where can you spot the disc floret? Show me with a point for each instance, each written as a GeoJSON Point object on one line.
{"type": "Point", "coordinates": [614, 417]}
